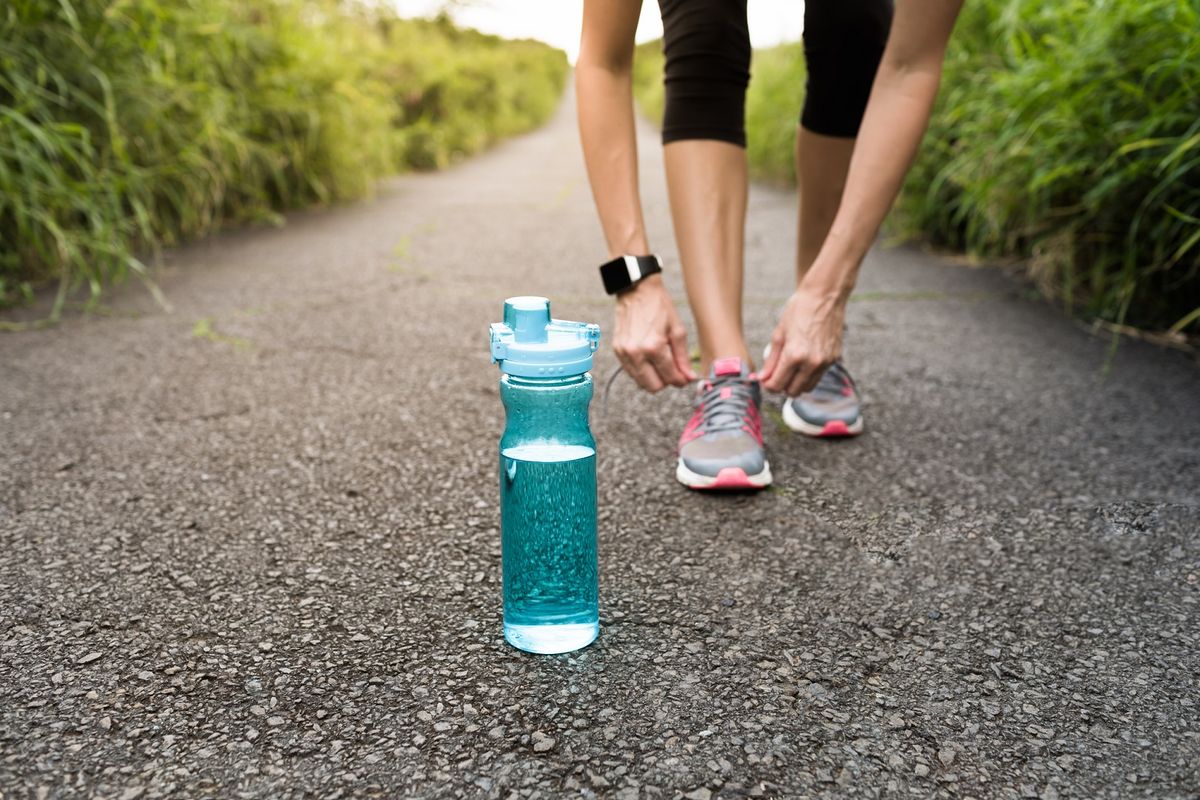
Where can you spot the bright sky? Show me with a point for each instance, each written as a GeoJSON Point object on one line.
{"type": "Point", "coordinates": [557, 21]}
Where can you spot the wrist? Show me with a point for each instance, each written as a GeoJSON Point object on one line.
{"type": "Point", "coordinates": [634, 244]}
{"type": "Point", "coordinates": [647, 285]}
{"type": "Point", "coordinates": [624, 272]}
{"type": "Point", "coordinates": [833, 282]}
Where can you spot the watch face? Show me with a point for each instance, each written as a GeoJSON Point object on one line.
{"type": "Point", "coordinates": [633, 268]}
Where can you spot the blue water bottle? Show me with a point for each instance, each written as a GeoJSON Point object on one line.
{"type": "Point", "coordinates": [547, 479]}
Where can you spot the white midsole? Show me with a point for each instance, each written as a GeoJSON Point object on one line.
{"type": "Point", "coordinates": [798, 424]}
{"type": "Point", "coordinates": [697, 481]}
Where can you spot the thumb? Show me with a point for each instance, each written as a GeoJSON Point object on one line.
{"type": "Point", "coordinates": [772, 361]}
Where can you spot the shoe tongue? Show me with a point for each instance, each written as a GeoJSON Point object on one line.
{"type": "Point", "coordinates": [727, 366]}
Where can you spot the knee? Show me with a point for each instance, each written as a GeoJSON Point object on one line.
{"type": "Point", "coordinates": [847, 23]}
{"type": "Point", "coordinates": [706, 45]}
{"type": "Point", "coordinates": [843, 44]}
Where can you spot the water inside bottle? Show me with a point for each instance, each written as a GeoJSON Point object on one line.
{"type": "Point", "coordinates": [548, 523]}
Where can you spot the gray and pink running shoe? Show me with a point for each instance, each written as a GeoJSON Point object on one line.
{"type": "Point", "coordinates": [832, 409]}
{"type": "Point", "coordinates": [722, 445]}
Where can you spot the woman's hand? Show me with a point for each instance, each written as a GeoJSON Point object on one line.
{"type": "Point", "coordinates": [806, 341]}
{"type": "Point", "coordinates": [809, 336]}
{"type": "Point", "coordinates": [650, 340]}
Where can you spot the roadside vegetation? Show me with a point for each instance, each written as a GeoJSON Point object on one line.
{"type": "Point", "coordinates": [1066, 135]}
{"type": "Point", "coordinates": [125, 127]}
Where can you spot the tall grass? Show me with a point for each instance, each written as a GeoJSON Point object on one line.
{"type": "Point", "coordinates": [128, 126]}
{"type": "Point", "coordinates": [1066, 135]}
{"type": "Point", "coordinates": [1069, 134]}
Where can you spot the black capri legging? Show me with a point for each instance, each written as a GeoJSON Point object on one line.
{"type": "Point", "coordinates": [707, 48]}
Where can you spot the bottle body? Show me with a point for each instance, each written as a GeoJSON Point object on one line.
{"type": "Point", "coordinates": [548, 514]}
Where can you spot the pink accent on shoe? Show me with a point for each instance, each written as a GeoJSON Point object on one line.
{"type": "Point", "coordinates": [727, 366]}
{"type": "Point", "coordinates": [835, 428]}
{"type": "Point", "coordinates": [726, 392]}
{"type": "Point", "coordinates": [692, 429]}
{"type": "Point", "coordinates": [731, 478]}
{"type": "Point", "coordinates": [755, 423]}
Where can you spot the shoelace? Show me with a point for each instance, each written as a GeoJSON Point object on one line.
{"type": "Point", "coordinates": [725, 413]}
{"type": "Point", "coordinates": [729, 418]}
{"type": "Point", "coordinates": [608, 382]}
{"type": "Point", "coordinates": [834, 380]}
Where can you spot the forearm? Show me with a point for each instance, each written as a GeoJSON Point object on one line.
{"type": "Point", "coordinates": [891, 131]}
{"type": "Point", "coordinates": [604, 94]}
{"type": "Point", "coordinates": [895, 121]}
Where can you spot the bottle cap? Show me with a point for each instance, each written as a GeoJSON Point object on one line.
{"type": "Point", "coordinates": [529, 344]}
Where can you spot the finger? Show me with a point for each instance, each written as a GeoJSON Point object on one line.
{"type": "Point", "coordinates": [803, 379]}
{"type": "Point", "coordinates": [791, 371]}
{"type": "Point", "coordinates": [623, 358]}
{"type": "Point", "coordinates": [772, 362]}
{"type": "Point", "coordinates": [679, 352]}
{"type": "Point", "coordinates": [648, 379]}
{"type": "Point", "coordinates": [664, 365]}
{"type": "Point", "coordinates": [643, 372]}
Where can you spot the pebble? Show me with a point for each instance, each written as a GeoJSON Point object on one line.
{"type": "Point", "coordinates": [1025, 559]}
{"type": "Point", "coordinates": [542, 742]}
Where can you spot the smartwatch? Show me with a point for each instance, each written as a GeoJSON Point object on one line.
{"type": "Point", "coordinates": [624, 272]}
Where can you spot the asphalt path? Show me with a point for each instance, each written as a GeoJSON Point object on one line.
{"type": "Point", "coordinates": [249, 546]}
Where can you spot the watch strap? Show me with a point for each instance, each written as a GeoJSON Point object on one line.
{"type": "Point", "coordinates": [624, 272]}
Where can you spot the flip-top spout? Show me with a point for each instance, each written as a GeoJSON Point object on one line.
{"type": "Point", "coordinates": [530, 343]}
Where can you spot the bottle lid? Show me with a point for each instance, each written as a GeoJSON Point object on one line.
{"type": "Point", "coordinates": [529, 344]}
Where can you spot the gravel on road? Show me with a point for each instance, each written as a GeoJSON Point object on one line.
{"type": "Point", "coordinates": [249, 546]}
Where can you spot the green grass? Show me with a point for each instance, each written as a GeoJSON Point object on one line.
{"type": "Point", "coordinates": [647, 79]}
{"type": "Point", "coordinates": [1066, 135]}
{"type": "Point", "coordinates": [205, 329]}
{"type": "Point", "coordinates": [125, 127]}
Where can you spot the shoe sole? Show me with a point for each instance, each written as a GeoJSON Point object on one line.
{"type": "Point", "coordinates": [730, 478]}
{"type": "Point", "coordinates": [834, 429]}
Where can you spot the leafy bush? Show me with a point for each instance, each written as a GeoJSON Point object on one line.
{"type": "Point", "coordinates": [1069, 134]}
{"type": "Point", "coordinates": [126, 126]}
{"type": "Point", "coordinates": [1066, 134]}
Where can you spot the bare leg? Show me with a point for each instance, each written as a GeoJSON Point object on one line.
{"type": "Point", "coordinates": [821, 166]}
{"type": "Point", "coordinates": [707, 184]}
